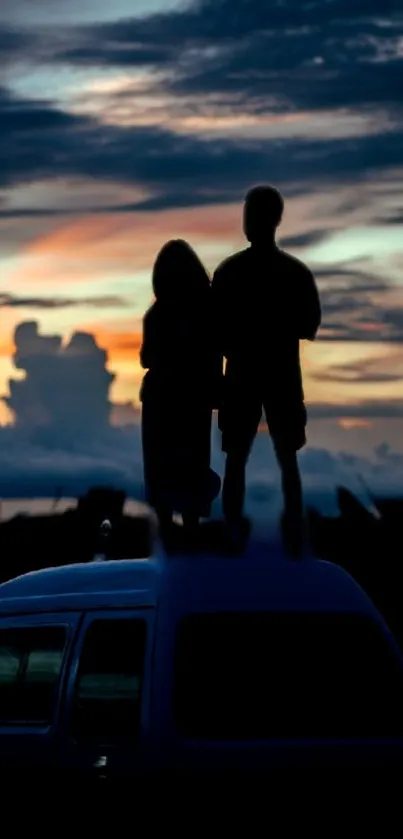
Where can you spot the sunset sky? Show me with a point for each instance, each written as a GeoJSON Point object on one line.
{"type": "Point", "coordinates": [124, 124]}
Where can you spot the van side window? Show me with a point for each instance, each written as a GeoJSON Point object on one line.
{"type": "Point", "coordinates": [286, 675]}
{"type": "Point", "coordinates": [31, 660]}
{"type": "Point", "coordinates": [107, 698]}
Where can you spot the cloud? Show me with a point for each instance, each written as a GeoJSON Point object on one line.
{"type": "Point", "coordinates": [353, 373]}
{"type": "Point", "coordinates": [63, 434]}
{"type": "Point", "coordinates": [31, 467]}
{"type": "Point", "coordinates": [14, 42]}
{"type": "Point", "coordinates": [66, 387]}
{"type": "Point", "coordinates": [365, 321]}
{"type": "Point", "coordinates": [294, 54]}
{"type": "Point", "coordinates": [37, 212]}
{"type": "Point", "coordinates": [36, 139]}
{"type": "Point", "coordinates": [322, 471]}
{"type": "Point", "coordinates": [392, 218]}
{"type": "Point", "coordinates": [106, 301]}
{"type": "Point", "coordinates": [42, 13]}
{"type": "Point", "coordinates": [330, 56]}
{"type": "Point", "coordinates": [303, 240]}
{"type": "Point", "coordinates": [41, 142]}
{"type": "Point", "coordinates": [345, 278]}
{"type": "Point", "coordinates": [125, 414]}
{"type": "Point", "coordinates": [365, 409]}
{"type": "Point", "coordinates": [373, 370]}
{"type": "Point", "coordinates": [359, 306]}
{"type": "Point", "coordinates": [225, 58]}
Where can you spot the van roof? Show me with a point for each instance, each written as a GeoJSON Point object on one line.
{"type": "Point", "coordinates": [83, 585]}
{"type": "Point", "coordinates": [261, 579]}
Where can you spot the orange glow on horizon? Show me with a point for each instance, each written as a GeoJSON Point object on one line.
{"type": "Point", "coordinates": [118, 345]}
{"type": "Point", "coordinates": [7, 347]}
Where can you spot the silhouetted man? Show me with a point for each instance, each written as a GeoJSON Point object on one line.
{"type": "Point", "coordinates": [265, 301]}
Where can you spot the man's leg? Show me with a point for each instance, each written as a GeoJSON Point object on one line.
{"type": "Point", "coordinates": [238, 527]}
{"type": "Point", "coordinates": [293, 525]}
{"type": "Point", "coordinates": [164, 516]}
{"type": "Point", "coordinates": [233, 492]}
{"type": "Point", "coordinates": [238, 421]}
{"type": "Point", "coordinates": [290, 479]}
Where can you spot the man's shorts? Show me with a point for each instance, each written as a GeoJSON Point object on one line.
{"type": "Point", "coordinates": [240, 417]}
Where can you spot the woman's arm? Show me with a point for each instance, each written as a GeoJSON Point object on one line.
{"type": "Point", "coordinates": [148, 351]}
{"type": "Point", "coordinates": [216, 379]}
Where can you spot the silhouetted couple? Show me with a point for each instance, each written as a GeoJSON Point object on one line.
{"type": "Point", "coordinates": [259, 306]}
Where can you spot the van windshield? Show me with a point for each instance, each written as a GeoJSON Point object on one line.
{"type": "Point", "coordinates": [286, 675]}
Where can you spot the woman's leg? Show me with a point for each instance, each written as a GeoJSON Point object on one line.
{"type": "Point", "coordinates": [190, 519]}
{"type": "Point", "coordinates": [164, 515]}
{"type": "Point", "coordinates": [193, 464]}
{"type": "Point", "coordinates": [153, 459]}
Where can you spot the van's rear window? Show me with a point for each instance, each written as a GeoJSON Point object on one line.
{"type": "Point", "coordinates": [286, 675]}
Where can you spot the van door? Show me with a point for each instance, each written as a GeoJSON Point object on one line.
{"type": "Point", "coordinates": [108, 694]}
{"type": "Point", "coordinates": [34, 654]}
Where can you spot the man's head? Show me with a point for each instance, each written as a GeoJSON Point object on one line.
{"type": "Point", "coordinates": [263, 211]}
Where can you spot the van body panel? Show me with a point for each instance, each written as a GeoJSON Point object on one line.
{"type": "Point", "coordinates": [161, 593]}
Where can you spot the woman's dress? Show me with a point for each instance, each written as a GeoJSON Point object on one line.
{"type": "Point", "coordinates": [177, 395]}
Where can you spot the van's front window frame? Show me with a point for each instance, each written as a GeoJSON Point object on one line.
{"type": "Point", "coordinates": [83, 725]}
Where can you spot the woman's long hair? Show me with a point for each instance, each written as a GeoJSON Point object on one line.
{"type": "Point", "coordinates": [179, 277]}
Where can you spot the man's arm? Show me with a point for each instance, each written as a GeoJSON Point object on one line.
{"type": "Point", "coordinates": [310, 313]}
{"type": "Point", "coordinates": [218, 308]}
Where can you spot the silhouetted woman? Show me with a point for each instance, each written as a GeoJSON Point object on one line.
{"type": "Point", "coordinates": [179, 390]}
